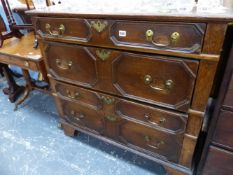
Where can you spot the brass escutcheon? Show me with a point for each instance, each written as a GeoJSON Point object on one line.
{"type": "Point", "coordinates": [107, 100]}
{"type": "Point", "coordinates": [103, 54]}
{"type": "Point", "coordinates": [111, 118]}
{"type": "Point", "coordinates": [98, 25]}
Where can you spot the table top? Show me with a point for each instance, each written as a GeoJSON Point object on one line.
{"type": "Point", "coordinates": [140, 9]}
{"type": "Point", "coordinates": [21, 48]}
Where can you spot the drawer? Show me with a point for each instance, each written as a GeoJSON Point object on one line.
{"type": "Point", "coordinates": [224, 129]}
{"type": "Point", "coordinates": [71, 63]}
{"type": "Point", "coordinates": [218, 162]}
{"type": "Point", "coordinates": [150, 140]}
{"type": "Point", "coordinates": [26, 64]}
{"type": "Point", "coordinates": [182, 37]}
{"type": "Point", "coordinates": [148, 36]}
{"type": "Point", "coordinates": [150, 116]}
{"type": "Point", "coordinates": [79, 95]}
{"type": "Point", "coordinates": [83, 117]}
{"type": "Point", "coordinates": [153, 117]}
{"type": "Point", "coordinates": [228, 101]}
{"type": "Point", "coordinates": [69, 29]}
{"type": "Point", "coordinates": [164, 81]}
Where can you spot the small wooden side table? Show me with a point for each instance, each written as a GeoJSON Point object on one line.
{"type": "Point", "coordinates": [20, 52]}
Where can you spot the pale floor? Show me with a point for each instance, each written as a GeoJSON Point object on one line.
{"type": "Point", "coordinates": [31, 144]}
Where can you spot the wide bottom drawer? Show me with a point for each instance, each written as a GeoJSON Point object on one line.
{"type": "Point", "coordinates": [150, 140]}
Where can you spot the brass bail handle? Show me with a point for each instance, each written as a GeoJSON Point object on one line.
{"type": "Point", "coordinates": [63, 64]}
{"type": "Point", "coordinates": [58, 32]}
{"type": "Point", "coordinates": [155, 145]}
{"type": "Point", "coordinates": [74, 95]}
{"type": "Point", "coordinates": [77, 115]}
{"type": "Point", "coordinates": [174, 37]}
{"type": "Point", "coordinates": [168, 84]}
{"type": "Point", "coordinates": [159, 122]}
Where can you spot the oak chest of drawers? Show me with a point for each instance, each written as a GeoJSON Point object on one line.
{"type": "Point", "coordinates": [140, 82]}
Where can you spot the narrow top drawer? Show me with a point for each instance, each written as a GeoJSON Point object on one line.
{"type": "Point", "coordinates": [133, 35]}
{"type": "Point", "coordinates": [181, 37]}
{"type": "Point", "coordinates": [68, 29]}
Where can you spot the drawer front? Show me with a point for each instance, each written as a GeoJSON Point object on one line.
{"type": "Point", "coordinates": [152, 117]}
{"type": "Point", "coordinates": [183, 37]}
{"type": "Point", "coordinates": [229, 95]}
{"type": "Point", "coordinates": [113, 106]}
{"type": "Point", "coordinates": [224, 129]}
{"type": "Point", "coordinates": [148, 139]}
{"type": "Point", "coordinates": [71, 63]}
{"type": "Point", "coordinates": [82, 116]}
{"type": "Point", "coordinates": [26, 64]}
{"type": "Point", "coordinates": [178, 37]}
{"type": "Point", "coordinates": [79, 95]}
{"type": "Point", "coordinates": [71, 29]}
{"type": "Point", "coordinates": [163, 81]}
{"type": "Point", "coordinates": [218, 162]}
{"type": "Point", "coordinates": [159, 80]}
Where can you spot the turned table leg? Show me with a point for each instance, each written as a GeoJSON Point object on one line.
{"type": "Point", "coordinates": [28, 88]}
{"type": "Point", "coordinates": [13, 90]}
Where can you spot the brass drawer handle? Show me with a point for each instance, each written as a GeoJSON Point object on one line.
{"type": "Point", "coordinates": [62, 64]}
{"type": "Point", "coordinates": [107, 100]}
{"type": "Point", "coordinates": [175, 36]}
{"type": "Point", "coordinates": [111, 118]}
{"type": "Point", "coordinates": [160, 121]}
{"type": "Point", "coordinates": [76, 115]}
{"type": "Point", "coordinates": [74, 95]}
{"type": "Point", "coordinates": [103, 54]}
{"type": "Point", "coordinates": [149, 37]}
{"type": "Point", "coordinates": [98, 25]}
{"type": "Point", "coordinates": [168, 84]}
{"type": "Point", "coordinates": [56, 33]}
{"type": "Point", "coordinates": [148, 79]}
{"type": "Point", "coordinates": [157, 145]}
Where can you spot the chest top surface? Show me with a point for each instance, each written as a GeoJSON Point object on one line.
{"type": "Point", "coordinates": [138, 9]}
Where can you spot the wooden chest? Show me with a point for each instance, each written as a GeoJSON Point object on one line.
{"type": "Point", "coordinates": [139, 81]}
